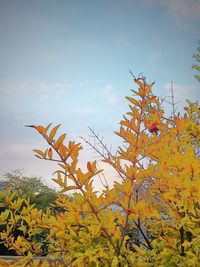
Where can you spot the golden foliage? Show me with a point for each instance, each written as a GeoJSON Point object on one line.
{"type": "Point", "coordinates": [151, 216]}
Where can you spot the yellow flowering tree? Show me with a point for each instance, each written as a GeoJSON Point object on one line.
{"type": "Point", "coordinates": [151, 215]}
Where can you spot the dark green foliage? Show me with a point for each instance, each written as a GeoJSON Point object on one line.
{"type": "Point", "coordinates": [30, 187]}
{"type": "Point", "coordinates": [27, 188]}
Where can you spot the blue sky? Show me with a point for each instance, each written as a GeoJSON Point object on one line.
{"type": "Point", "coordinates": [67, 62]}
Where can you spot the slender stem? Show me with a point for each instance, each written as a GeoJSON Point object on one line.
{"type": "Point", "coordinates": [120, 172]}
{"type": "Point", "coordinates": [173, 104]}
{"type": "Point", "coordinates": [182, 241]}
{"type": "Point", "coordinates": [144, 236]}
{"type": "Point", "coordinates": [134, 163]}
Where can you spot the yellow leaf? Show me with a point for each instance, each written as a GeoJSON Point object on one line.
{"type": "Point", "coordinates": [153, 100]}
{"type": "Point", "coordinates": [39, 152]}
{"type": "Point", "coordinates": [59, 179]}
{"type": "Point", "coordinates": [141, 84]}
{"type": "Point", "coordinates": [94, 165]}
{"type": "Point", "coordinates": [60, 182]}
{"type": "Point", "coordinates": [115, 262]}
{"type": "Point", "coordinates": [73, 165]}
{"type": "Point", "coordinates": [60, 232]}
{"type": "Point", "coordinates": [60, 140]}
{"type": "Point", "coordinates": [36, 247]}
{"type": "Point", "coordinates": [128, 187]}
{"type": "Point", "coordinates": [16, 204]}
{"type": "Point", "coordinates": [50, 153]}
{"type": "Point", "coordinates": [63, 151]}
{"type": "Point", "coordinates": [4, 215]}
{"type": "Point", "coordinates": [67, 188]}
{"type": "Point", "coordinates": [89, 166]}
{"type": "Point", "coordinates": [147, 90]}
{"type": "Point", "coordinates": [121, 219]}
{"type": "Point", "coordinates": [139, 250]}
{"type": "Point", "coordinates": [125, 123]}
{"type": "Point", "coordinates": [141, 92]}
{"type": "Point", "coordinates": [59, 176]}
{"type": "Point", "coordinates": [40, 129]}
{"type": "Point", "coordinates": [47, 128]}
{"type": "Point", "coordinates": [53, 132]}
{"type": "Point", "coordinates": [133, 101]}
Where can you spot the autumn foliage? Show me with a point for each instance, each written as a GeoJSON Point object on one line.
{"type": "Point", "coordinates": [150, 217]}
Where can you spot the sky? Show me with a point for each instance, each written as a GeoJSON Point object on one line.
{"type": "Point", "coordinates": [67, 62]}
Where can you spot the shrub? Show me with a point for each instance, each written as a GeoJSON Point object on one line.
{"type": "Point", "coordinates": [157, 195]}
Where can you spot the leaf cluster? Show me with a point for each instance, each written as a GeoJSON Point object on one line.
{"type": "Point", "coordinates": [150, 217]}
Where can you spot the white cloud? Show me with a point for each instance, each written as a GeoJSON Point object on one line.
{"type": "Point", "coordinates": [7, 87]}
{"type": "Point", "coordinates": [97, 81]}
{"type": "Point", "coordinates": [26, 87]}
{"type": "Point", "coordinates": [185, 8]}
{"type": "Point", "coordinates": [56, 87]}
{"type": "Point", "coordinates": [108, 89]}
{"type": "Point", "coordinates": [11, 87]}
{"type": "Point", "coordinates": [21, 156]}
{"type": "Point", "coordinates": [45, 96]}
{"type": "Point", "coordinates": [182, 93]}
{"type": "Point", "coordinates": [83, 110]}
{"type": "Point", "coordinates": [109, 95]}
{"type": "Point", "coordinates": [179, 9]}
{"type": "Point", "coordinates": [112, 99]}
{"type": "Point", "coordinates": [88, 110]}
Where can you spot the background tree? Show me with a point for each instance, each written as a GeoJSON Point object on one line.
{"type": "Point", "coordinates": [197, 58]}
{"type": "Point", "coordinates": [16, 186]}
{"type": "Point", "coordinates": [30, 187]}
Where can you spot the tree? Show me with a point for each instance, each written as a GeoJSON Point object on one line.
{"type": "Point", "coordinates": [30, 187]}
{"type": "Point", "coordinates": [197, 58]}
{"type": "Point", "coordinates": [16, 187]}
{"type": "Point", "coordinates": [157, 195]}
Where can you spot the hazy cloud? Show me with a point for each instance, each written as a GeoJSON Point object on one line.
{"type": "Point", "coordinates": [185, 8]}
{"type": "Point", "coordinates": [108, 94]}
{"type": "Point", "coordinates": [44, 87]}
{"type": "Point", "coordinates": [183, 92]}
{"type": "Point", "coordinates": [83, 110]}
{"type": "Point", "coordinates": [179, 9]}
{"type": "Point", "coordinates": [12, 87]}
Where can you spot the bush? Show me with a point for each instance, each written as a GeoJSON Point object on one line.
{"type": "Point", "coordinates": [157, 195]}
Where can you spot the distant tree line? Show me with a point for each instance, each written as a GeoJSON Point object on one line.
{"type": "Point", "coordinates": [21, 186]}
